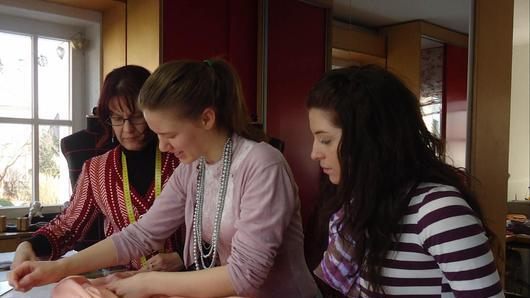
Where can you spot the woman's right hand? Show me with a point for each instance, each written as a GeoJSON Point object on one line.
{"type": "Point", "coordinates": [31, 274]}
{"type": "Point", "coordinates": [24, 252]}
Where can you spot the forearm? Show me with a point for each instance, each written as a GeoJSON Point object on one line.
{"type": "Point", "coordinates": [100, 255]}
{"type": "Point", "coordinates": [192, 283]}
{"type": "Point", "coordinates": [40, 245]}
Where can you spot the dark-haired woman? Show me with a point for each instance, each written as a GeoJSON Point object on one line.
{"type": "Point", "coordinates": [235, 194]}
{"type": "Point", "coordinates": [403, 223]}
{"type": "Point", "coordinates": [102, 187]}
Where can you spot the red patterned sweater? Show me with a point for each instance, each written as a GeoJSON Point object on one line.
{"type": "Point", "coordinates": [99, 190]}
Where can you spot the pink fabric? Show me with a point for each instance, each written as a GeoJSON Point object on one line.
{"type": "Point", "coordinates": [81, 287]}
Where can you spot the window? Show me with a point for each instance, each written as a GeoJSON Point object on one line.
{"type": "Point", "coordinates": [35, 113]}
{"type": "Point", "coordinates": [431, 88]}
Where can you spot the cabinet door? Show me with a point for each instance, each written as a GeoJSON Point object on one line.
{"type": "Point", "coordinates": [297, 50]}
{"type": "Point", "coordinates": [202, 29]}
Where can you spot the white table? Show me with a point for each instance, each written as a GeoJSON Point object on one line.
{"type": "Point", "coordinates": [37, 292]}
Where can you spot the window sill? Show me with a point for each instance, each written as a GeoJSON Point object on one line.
{"type": "Point", "coordinates": [13, 212]}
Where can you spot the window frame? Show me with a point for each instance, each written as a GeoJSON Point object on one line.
{"type": "Point", "coordinates": [44, 29]}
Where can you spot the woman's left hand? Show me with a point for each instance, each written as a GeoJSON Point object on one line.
{"type": "Point", "coordinates": [165, 262]}
{"type": "Point", "coordinates": [135, 286]}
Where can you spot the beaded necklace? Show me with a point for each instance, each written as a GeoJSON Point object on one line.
{"type": "Point", "coordinates": [199, 254]}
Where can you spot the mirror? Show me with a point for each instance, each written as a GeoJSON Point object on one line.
{"type": "Point", "coordinates": [426, 44]}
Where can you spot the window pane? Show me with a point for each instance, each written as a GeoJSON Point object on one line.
{"type": "Point", "coordinates": [431, 90]}
{"type": "Point", "coordinates": [15, 75]}
{"type": "Point", "coordinates": [15, 165]}
{"type": "Point", "coordinates": [54, 183]}
{"type": "Point", "coordinates": [54, 79]}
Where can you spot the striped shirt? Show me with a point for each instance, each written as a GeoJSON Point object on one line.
{"type": "Point", "coordinates": [441, 252]}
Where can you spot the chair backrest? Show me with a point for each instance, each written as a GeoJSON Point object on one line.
{"type": "Point", "coordinates": [78, 148]}
{"type": "Point", "coordinates": [274, 142]}
{"type": "Point", "coordinates": [277, 143]}
{"type": "Point", "coordinates": [81, 146]}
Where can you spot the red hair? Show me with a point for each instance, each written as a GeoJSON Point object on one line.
{"type": "Point", "coordinates": [125, 82]}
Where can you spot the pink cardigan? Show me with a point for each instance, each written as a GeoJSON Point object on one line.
{"type": "Point", "coordinates": [263, 244]}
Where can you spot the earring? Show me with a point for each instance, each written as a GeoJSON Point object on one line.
{"type": "Point", "coordinates": [113, 139]}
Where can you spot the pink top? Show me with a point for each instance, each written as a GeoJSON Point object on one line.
{"type": "Point", "coordinates": [261, 239]}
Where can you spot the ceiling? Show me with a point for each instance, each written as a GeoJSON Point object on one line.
{"type": "Point", "coordinates": [521, 24]}
{"type": "Point", "coordinates": [451, 14]}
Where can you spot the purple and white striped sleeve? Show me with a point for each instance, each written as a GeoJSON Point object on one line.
{"type": "Point", "coordinates": [337, 268]}
{"type": "Point", "coordinates": [455, 237]}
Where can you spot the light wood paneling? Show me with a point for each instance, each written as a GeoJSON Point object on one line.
{"type": "Point", "coordinates": [357, 57]}
{"type": "Point", "coordinates": [10, 241]}
{"type": "Point", "coordinates": [490, 117]}
{"type": "Point", "coordinates": [444, 35]}
{"type": "Point", "coordinates": [404, 53]}
{"type": "Point", "coordinates": [357, 40]}
{"type": "Point", "coordinates": [143, 33]}
{"type": "Point", "coordinates": [99, 5]}
{"type": "Point", "coordinates": [113, 38]}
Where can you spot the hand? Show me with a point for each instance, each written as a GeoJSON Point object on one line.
{"type": "Point", "coordinates": [135, 286]}
{"type": "Point", "coordinates": [23, 253]}
{"type": "Point", "coordinates": [164, 262]}
{"type": "Point", "coordinates": [105, 280]}
{"type": "Point", "coordinates": [32, 274]}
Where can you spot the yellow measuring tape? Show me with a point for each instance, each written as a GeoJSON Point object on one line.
{"type": "Point", "coordinates": [127, 190]}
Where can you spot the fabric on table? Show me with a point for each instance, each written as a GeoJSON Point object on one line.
{"type": "Point", "coordinates": [81, 287]}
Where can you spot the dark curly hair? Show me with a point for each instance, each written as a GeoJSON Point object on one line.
{"type": "Point", "coordinates": [385, 152]}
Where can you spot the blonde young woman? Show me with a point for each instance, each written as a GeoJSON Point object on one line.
{"type": "Point", "coordinates": [235, 194]}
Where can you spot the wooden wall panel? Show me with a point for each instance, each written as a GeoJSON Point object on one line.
{"type": "Point", "coordinates": [99, 5]}
{"type": "Point", "coordinates": [357, 40]}
{"type": "Point", "coordinates": [403, 53]}
{"type": "Point", "coordinates": [113, 38]}
{"type": "Point", "coordinates": [143, 33]}
{"type": "Point", "coordinates": [444, 35]}
{"type": "Point", "coordinates": [350, 58]}
{"type": "Point", "coordinates": [490, 118]}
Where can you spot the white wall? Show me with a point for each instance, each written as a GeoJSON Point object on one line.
{"type": "Point", "coordinates": [519, 159]}
{"type": "Point", "coordinates": [93, 70]}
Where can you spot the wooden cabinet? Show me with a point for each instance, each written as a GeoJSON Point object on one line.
{"type": "Point", "coordinates": [203, 29]}
{"type": "Point", "coordinates": [297, 49]}
{"type": "Point", "coordinates": [280, 48]}
{"type": "Point", "coordinates": [10, 241]}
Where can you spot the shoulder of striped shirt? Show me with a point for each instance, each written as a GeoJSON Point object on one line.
{"type": "Point", "coordinates": [426, 188]}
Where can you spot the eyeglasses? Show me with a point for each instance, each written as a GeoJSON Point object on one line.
{"type": "Point", "coordinates": [119, 121]}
